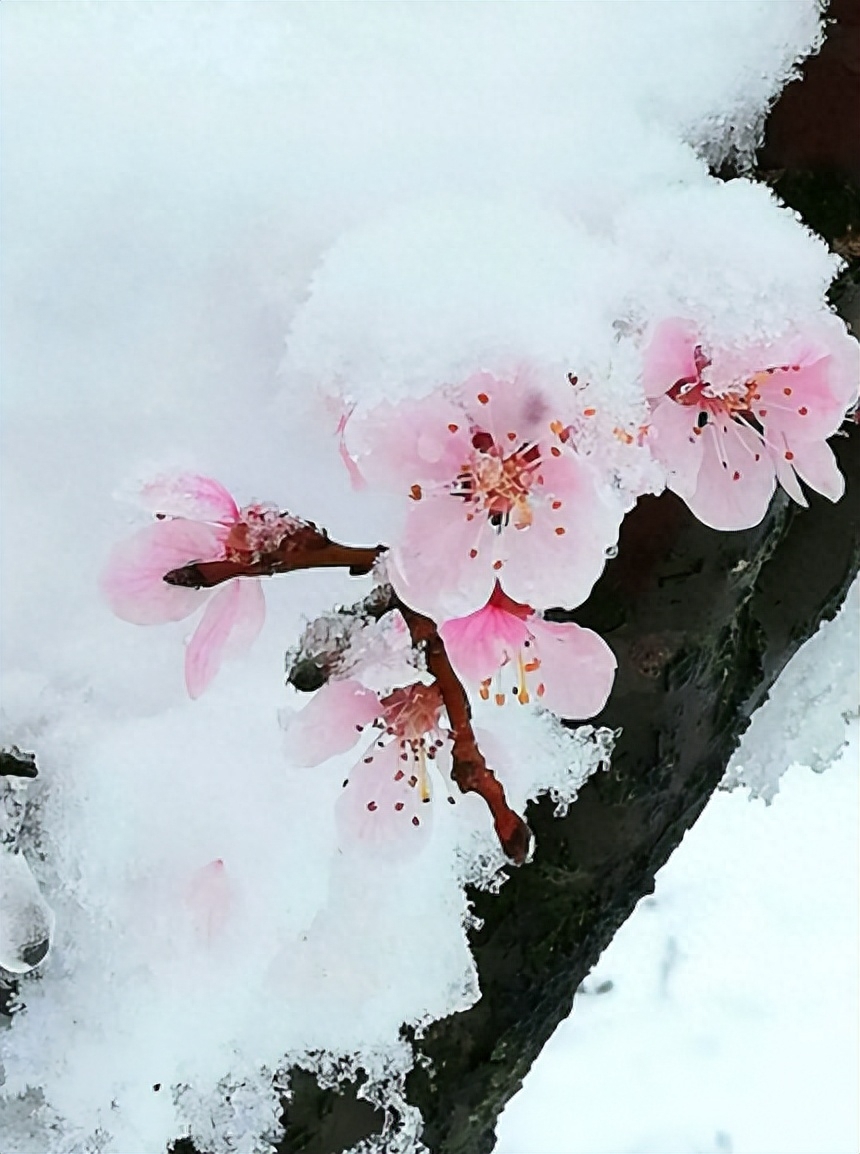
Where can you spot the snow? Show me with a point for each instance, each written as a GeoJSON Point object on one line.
{"type": "Point", "coordinates": [726, 1008]}
{"type": "Point", "coordinates": [399, 190]}
{"type": "Point", "coordinates": [802, 720]}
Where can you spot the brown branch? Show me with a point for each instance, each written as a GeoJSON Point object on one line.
{"type": "Point", "coordinates": [306, 548]}
{"type": "Point", "coordinates": [470, 770]}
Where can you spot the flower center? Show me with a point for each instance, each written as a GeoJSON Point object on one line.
{"type": "Point", "coordinates": [699, 391]}
{"type": "Point", "coordinates": [498, 485]}
{"type": "Point", "coordinates": [527, 666]}
{"type": "Point", "coordinates": [411, 716]}
{"type": "Point", "coordinates": [412, 713]}
{"type": "Point", "coordinates": [734, 400]}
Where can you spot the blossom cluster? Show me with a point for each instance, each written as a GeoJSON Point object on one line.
{"type": "Point", "coordinates": [510, 509]}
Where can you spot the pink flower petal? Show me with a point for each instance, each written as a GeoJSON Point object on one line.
{"type": "Point", "coordinates": [192, 496]}
{"type": "Point", "coordinates": [505, 407]}
{"type": "Point", "coordinates": [331, 722]}
{"type": "Point", "coordinates": [675, 445]}
{"type": "Point", "coordinates": [816, 465]}
{"type": "Point", "coordinates": [545, 569]}
{"type": "Point", "coordinates": [558, 558]}
{"type": "Point", "coordinates": [209, 898]}
{"type": "Point", "coordinates": [800, 404]}
{"type": "Point", "coordinates": [826, 382]}
{"type": "Point", "coordinates": [356, 477]}
{"type": "Point", "coordinates": [734, 489]}
{"type": "Point", "coordinates": [788, 479]}
{"type": "Point", "coordinates": [132, 581]}
{"type": "Point", "coordinates": [577, 668]}
{"type": "Point", "coordinates": [407, 443]}
{"type": "Point", "coordinates": [478, 645]}
{"type": "Point", "coordinates": [378, 811]}
{"type": "Point", "coordinates": [231, 623]}
{"type": "Point", "coordinates": [432, 567]}
{"type": "Point", "coordinates": [669, 357]}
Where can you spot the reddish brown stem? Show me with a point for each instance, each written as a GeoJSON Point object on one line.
{"type": "Point", "coordinates": [470, 770]}
{"type": "Point", "coordinates": [309, 548]}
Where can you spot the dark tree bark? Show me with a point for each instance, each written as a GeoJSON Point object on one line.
{"type": "Point", "coordinates": [702, 624]}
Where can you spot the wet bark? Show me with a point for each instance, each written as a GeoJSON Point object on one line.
{"type": "Point", "coordinates": [702, 624]}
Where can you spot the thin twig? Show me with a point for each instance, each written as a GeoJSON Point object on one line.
{"type": "Point", "coordinates": [307, 548]}
{"type": "Point", "coordinates": [470, 771]}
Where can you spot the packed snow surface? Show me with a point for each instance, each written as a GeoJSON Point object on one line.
{"type": "Point", "coordinates": [404, 192]}
{"type": "Point", "coordinates": [726, 1008]}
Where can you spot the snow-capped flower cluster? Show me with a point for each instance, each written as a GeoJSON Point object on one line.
{"type": "Point", "coordinates": [509, 510]}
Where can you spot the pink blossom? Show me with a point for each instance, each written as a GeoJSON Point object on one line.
{"type": "Point", "coordinates": [197, 520]}
{"type": "Point", "coordinates": [568, 669]}
{"type": "Point", "coordinates": [497, 492]}
{"type": "Point", "coordinates": [727, 426]}
{"type": "Point", "coordinates": [384, 805]}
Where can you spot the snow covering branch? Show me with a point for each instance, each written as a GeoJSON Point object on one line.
{"type": "Point", "coordinates": [469, 768]}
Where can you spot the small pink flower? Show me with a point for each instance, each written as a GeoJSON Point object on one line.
{"type": "Point", "coordinates": [727, 426]}
{"type": "Point", "coordinates": [568, 669]}
{"type": "Point", "coordinates": [384, 806]}
{"type": "Point", "coordinates": [497, 492]}
{"type": "Point", "coordinates": [198, 520]}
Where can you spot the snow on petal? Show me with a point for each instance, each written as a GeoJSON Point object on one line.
{"type": "Point", "coordinates": [384, 808]}
{"type": "Point", "coordinates": [231, 622]}
{"type": "Point", "coordinates": [132, 580]}
{"type": "Point", "coordinates": [577, 668]}
{"type": "Point", "coordinates": [331, 722]}
{"type": "Point", "coordinates": [192, 496]}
